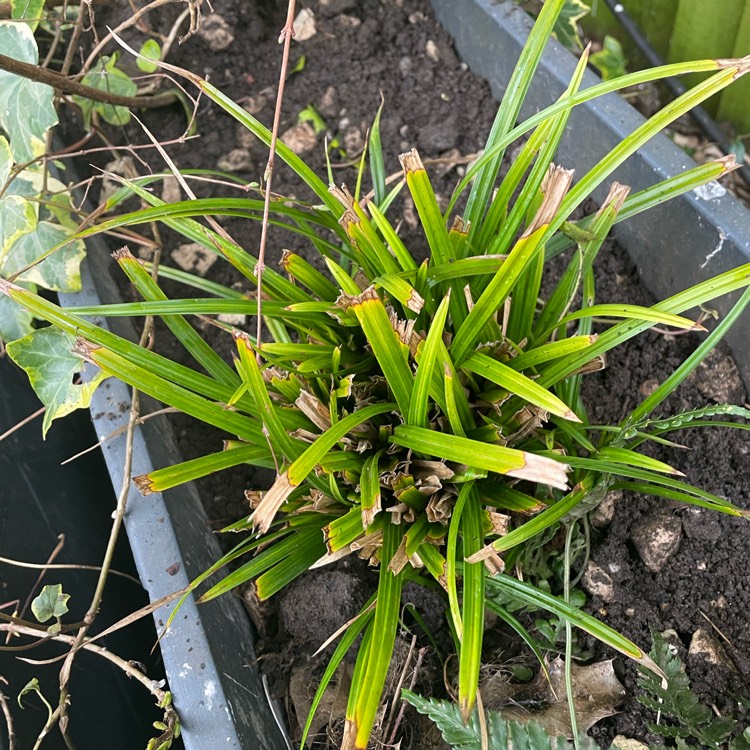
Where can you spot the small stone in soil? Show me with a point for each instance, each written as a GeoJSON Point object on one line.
{"type": "Point", "coordinates": [254, 104]}
{"type": "Point", "coordinates": [328, 106]}
{"type": "Point", "coordinates": [657, 537]}
{"type": "Point", "coordinates": [353, 141]}
{"type": "Point", "coordinates": [300, 138]}
{"type": "Point", "coordinates": [232, 319]}
{"type": "Point", "coordinates": [602, 515]}
{"type": "Point", "coordinates": [625, 743]}
{"type": "Point", "coordinates": [237, 160]}
{"type": "Point", "coordinates": [704, 645]}
{"type": "Point", "coordinates": [439, 136]}
{"type": "Point", "coordinates": [193, 258]}
{"type": "Point", "coordinates": [718, 378]}
{"type": "Point", "coordinates": [432, 51]}
{"type": "Point", "coordinates": [216, 32]}
{"type": "Point", "coordinates": [597, 582]}
{"type": "Point", "coordinates": [170, 190]}
{"type": "Point", "coordinates": [304, 25]}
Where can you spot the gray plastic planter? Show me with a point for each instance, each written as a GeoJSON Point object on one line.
{"type": "Point", "coordinates": [208, 652]}
{"type": "Point", "coordinates": [675, 245]}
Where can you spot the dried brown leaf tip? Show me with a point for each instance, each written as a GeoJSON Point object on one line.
{"type": "Point", "coordinates": [346, 199]}
{"type": "Point", "coordinates": [555, 186]}
{"type": "Point", "coordinates": [411, 162]}
{"type": "Point", "coordinates": [616, 197]}
{"type": "Point", "coordinates": [264, 514]}
{"type": "Point", "coordinates": [314, 409]}
{"type": "Point", "coordinates": [144, 484]}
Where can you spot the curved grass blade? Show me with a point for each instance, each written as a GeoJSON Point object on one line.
{"type": "Point", "coordinates": [547, 518]}
{"type": "Point", "coordinates": [537, 598]}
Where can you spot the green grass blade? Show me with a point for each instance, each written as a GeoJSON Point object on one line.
{"type": "Point", "coordinates": [495, 458]}
{"type": "Point", "coordinates": [513, 381]}
{"type": "Point", "coordinates": [391, 353]}
{"type": "Point", "coordinates": [377, 163]}
{"type": "Point", "coordinates": [470, 659]}
{"type": "Point", "coordinates": [546, 519]}
{"type": "Point", "coordinates": [547, 352]}
{"type": "Point", "coordinates": [417, 414]}
{"type": "Point", "coordinates": [537, 598]}
{"type": "Point", "coordinates": [433, 224]}
{"type": "Point", "coordinates": [513, 97]}
{"type": "Point", "coordinates": [185, 333]}
{"type": "Point", "coordinates": [347, 641]}
{"type": "Point", "coordinates": [187, 471]}
{"type": "Point", "coordinates": [380, 649]}
{"type": "Point", "coordinates": [396, 244]}
{"type": "Point", "coordinates": [689, 365]}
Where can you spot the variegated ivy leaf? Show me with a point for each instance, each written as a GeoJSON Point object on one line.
{"type": "Point", "coordinates": [60, 272]}
{"type": "Point", "coordinates": [46, 356]}
{"type": "Point", "coordinates": [31, 11]}
{"type": "Point", "coordinates": [17, 217]}
{"type": "Point", "coordinates": [51, 602]}
{"type": "Point", "coordinates": [566, 27]}
{"type": "Point", "coordinates": [106, 77]}
{"type": "Point", "coordinates": [15, 322]}
{"type": "Point", "coordinates": [6, 160]}
{"type": "Point", "coordinates": [26, 110]}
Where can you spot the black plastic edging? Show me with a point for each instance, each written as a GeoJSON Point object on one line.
{"type": "Point", "coordinates": [208, 652]}
{"type": "Point", "coordinates": [675, 245]}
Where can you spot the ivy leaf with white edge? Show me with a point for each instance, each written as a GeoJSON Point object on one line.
{"type": "Point", "coordinates": [105, 76]}
{"type": "Point", "coordinates": [566, 29]}
{"type": "Point", "coordinates": [17, 218]}
{"type": "Point", "coordinates": [51, 602]}
{"type": "Point", "coordinates": [60, 272]}
{"type": "Point", "coordinates": [31, 11]}
{"type": "Point", "coordinates": [6, 160]}
{"type": "Point", "coordinates": [46, 357]}
{"type": "Point", "coordinates": [26, 109]}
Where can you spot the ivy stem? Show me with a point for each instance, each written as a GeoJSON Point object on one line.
{"type": "Point", "coordinates": [69, 86]}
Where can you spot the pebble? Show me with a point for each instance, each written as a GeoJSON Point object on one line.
{"type": "Point", "coordinates": [405, 65]}
{"type": "Point", "coordinates": [657, 537]}
{"type": "Point", "coordinates": [603, 514]}
{"type": "Point", "coordinates": [328, 106]}
{"type": "Point", "coordinates": [170, 191]}
{"type": "Point", "coordinates": [255, 104]}
{"type": "Point", "coordinates": [417, 17]}
{"type": "Point", "coordinates": [597, 582]}
{"type": "Point", "coordinates": [237, 160]}
{"type": "Point", "coordinates": [216, 32]}
{"type": "Point", "coordinates": [194, 258]}
{"type": "Point", "coordinates": [354, 141]}
{"type": "Point", "coordinates": [704, 645]}
{"type": "Point", "coordinates": [432, 51]}
{"type": "Point", "coordinates": [300, 138]}
{"type": "Point", "coordinates": [439, 136]}
{"type": "Point", "coordinates": [304, 25]}
{"type": "Point", "coordinates": [718, 378]}
{"type": "Point", "coordinates": [232, 319]}
{"type": "Point", "coordinates": [625, 743]}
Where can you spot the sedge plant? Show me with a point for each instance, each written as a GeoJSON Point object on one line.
{"type": "Point", "coordinates": [425, 416]}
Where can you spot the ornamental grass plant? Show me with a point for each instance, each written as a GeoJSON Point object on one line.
{"type": "Point", "coordinates": [425, 416]}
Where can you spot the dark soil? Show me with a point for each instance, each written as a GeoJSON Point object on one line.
{"type": "Point", "coordinates": [433, 102]}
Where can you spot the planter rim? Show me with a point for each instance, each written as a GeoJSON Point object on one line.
{"type": "Point", "coordinates": [674, 246]}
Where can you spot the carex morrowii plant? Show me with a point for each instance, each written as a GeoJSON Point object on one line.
{"type": "Point", "coordinates": [426, 416]}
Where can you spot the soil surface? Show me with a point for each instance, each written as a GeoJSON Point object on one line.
{"type": "Point", "coordinates": [394, 47]}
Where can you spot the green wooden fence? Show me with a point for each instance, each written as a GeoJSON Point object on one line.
{"type": "Point", "coordinates": [693, 29]}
